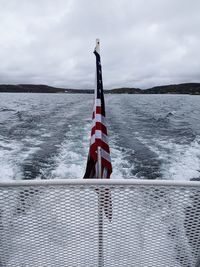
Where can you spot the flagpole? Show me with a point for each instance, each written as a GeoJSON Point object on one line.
{"type": "Point", "coordinates": [100, 206]}
{"type": "Point", "coordinates": [100, 221]}
{"type": "Point", "coordinates": [100, 214]}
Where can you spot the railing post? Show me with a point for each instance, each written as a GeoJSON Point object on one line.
{"type": "Point", "coordinates": [100, 214]}
{"type": "Point", "coordinates": [100, 236]}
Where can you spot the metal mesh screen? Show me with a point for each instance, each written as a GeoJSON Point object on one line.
{"type": "Point", "coordinates": [50, 224]}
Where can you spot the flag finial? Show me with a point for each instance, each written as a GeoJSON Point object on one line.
{"type": "Point", "coordinates": [97, 48]}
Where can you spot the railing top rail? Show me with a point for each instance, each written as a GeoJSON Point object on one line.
{"type": "Point", "coordinates": [127, 182]}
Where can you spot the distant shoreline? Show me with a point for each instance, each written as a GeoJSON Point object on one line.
{"type": "Point", "coordinates": [183, 88]}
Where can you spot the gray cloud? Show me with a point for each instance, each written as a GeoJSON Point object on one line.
{"type": "Point", "coordinates": [143, 43]}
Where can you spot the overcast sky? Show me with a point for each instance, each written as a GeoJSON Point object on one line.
{"type": "Point", "coordinates": [143, 42]}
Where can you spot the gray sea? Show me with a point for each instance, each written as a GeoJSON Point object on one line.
{"type": "Point", "coordinates": [151, 136]}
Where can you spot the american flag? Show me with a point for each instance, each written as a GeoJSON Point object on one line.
{"type": "Point", "coordinates": [99, 138]}
{"type": "Point", "coordinates": [99, 152]}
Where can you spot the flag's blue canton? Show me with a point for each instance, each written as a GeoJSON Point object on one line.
{"type": "Point", "coordinates": [99, 82]}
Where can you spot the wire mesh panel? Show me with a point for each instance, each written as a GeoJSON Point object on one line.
{"type": "Point", "coordinates": [99, 223]}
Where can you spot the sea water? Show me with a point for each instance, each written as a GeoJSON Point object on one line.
{"type": "Point", "coordinates": [46, 136]}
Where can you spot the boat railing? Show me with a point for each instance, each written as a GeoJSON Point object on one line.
{"type": "Point", "coordinates": [57, 223]}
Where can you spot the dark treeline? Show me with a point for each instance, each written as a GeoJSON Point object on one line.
{"type": "Point", "coordinates": [184, 88]}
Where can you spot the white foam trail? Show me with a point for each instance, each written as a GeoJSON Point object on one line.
{"type": "Point", "coordinates": [184, 161]}
{"type": "Point", "coordinates": [9, 167]}
{"type": "Point", "coordinates": [180, 161]}
{"type": "Point", "coordinates": [72, 158]}
{"type": "Point", "coordinates": [121, 166]}
{"type": "Point", "coordinates": [11, 157]}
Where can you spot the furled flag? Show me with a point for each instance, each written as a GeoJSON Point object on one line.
{"type": "Point", "coordinates": [99, 152]}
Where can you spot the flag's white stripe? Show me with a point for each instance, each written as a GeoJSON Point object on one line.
{"type": "Point", "coordinates": [98, 134]}
{"type": "Point", "coordinates": [99, 118]}
{"type": "Point", "coordinates": [96, 169]}
{"type": "Point", "coordinates": [94, 122]}
{"type": "Point", "coordinates": [92, 140]}
{"type": "Point", "coordinates": [98, 102]}
{"type": "Point", "coordinates": [105, 173]}
{"type": "Point", "coordinates": [105, 155]}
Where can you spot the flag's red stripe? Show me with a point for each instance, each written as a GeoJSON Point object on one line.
{"type": "Point", "coordinates": [103, 145]}
{"type": "Point", "coordinates": [100, 143]}
{"type": "Point", "coordinates": [98, 110]}
{"type": "Point", "coordinates": [99, 126]}
{"type": "Point", "coordinates": [93, 151]}
{"type": "Point", "coordinates": [106, 164]}
{"type": "Point", "coordinates": [99, 119]}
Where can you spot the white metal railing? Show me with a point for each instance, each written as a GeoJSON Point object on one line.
{"type": "Point", "coordinates": [50, 223]}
